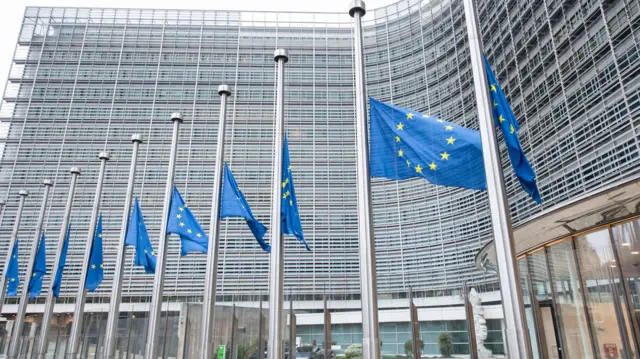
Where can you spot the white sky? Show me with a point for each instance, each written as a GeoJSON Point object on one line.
{"type": "Point", "coordinates": [11, 12]}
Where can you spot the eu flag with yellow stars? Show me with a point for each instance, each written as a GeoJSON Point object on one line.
{"type": "Point", "coordinates": [183, 223]}
{"type": "Point", "coordinates": [506, 120]}
{"type": "Point", "coordinates": [39, 270]}
{"type": "Point", "coordinates": [57, 282]}
{"type": "Point", "coordinates": [95, 273]}
{"type": "Point", "coordinates": [235, 205]}
{"type": "Point", "coordinates": [289, 206]}
{"type": "Point", "coordinates": [407, 144]}
{"type": "Point", "coordinates": [13, 281]}
{"type": "Point", "coordinates": [138, 237]}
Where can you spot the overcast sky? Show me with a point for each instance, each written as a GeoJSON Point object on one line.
{"type": "Point", "coordinates": [11, 12]}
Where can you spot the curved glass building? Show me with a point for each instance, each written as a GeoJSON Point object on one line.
{"type": "Point", "coordinates": [84, 80]}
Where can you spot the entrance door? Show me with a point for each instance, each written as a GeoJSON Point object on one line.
{"type": "Point", "coordinates": [550, 328]}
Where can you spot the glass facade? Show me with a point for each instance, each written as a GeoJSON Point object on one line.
{"type": "Point", "coordinates": [588, 307]}
{"type": "Point", "coordinates": [83, 80]}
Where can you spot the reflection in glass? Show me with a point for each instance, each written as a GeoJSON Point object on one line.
{"type": "Point", "coordinates": [627, 239]}
{"type": "Point", "coordinates": [538, 270]}
{"type": "Point", "coordinates": [568, 300]}
{"type": "Point", "coordinates": [528, 308]}
{"type": "Point", "coordinates": [600, 275]}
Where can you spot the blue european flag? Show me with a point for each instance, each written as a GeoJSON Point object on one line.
{"type": "Point", "coordinates": [39, 271]}
{"type": "Point", "coordinates": [138, 237]}
{"type": "Point", "coordinates": [183, 223]}
{"type": "Point", "coordinates": [234, 204]}
{"type": "Point", "coordinates": [289, 206]}
{"type": "Point", "coordinates": [57, 282]}
{"type": "Point", "coordinates": [407, 144]}
{"type": "Point", "coordinates": [95, 273]}
{"type": "Point", "coordinates": [12, 272]}
{"type": "Point", "coordinates": [506, 120]}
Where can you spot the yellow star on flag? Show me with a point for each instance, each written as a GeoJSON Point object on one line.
{"type": "Point", "coordinates": [93, 266]}
{"type": "Point", "coordinates": [101, 265]}
{"type": "Point", "coordinates": [440, 121]}
{"type": "Point", "coordinates": [291, 202]}
{"type": "Point", "coordinates": [189, 230]}
{"type": "Point", "coordinates": [493, 88]}
{"type": "Point", "coordinates": [198, 235]}
{"type": "Point", "coordinates": [450, 140]}
{"type": "Point", "coordinates": [512, 129]}
{"type": "Point", "coordinates": [100, 235]}
{"type": "Point", "coordinates": [181, 224]}
{"type": "Point", "coordinates": [181, 209]}
{"type": "Point", "coordinates": [400, 153]}
{"type": "Point", "coordinates": [397, 138]}
{"type": "Point", "coordinates": [400, 126]}
{"type": "Point", "coordinates": [409, 115]}
{"type": "Point", "coordinates": [448, 128]}
{"type": "Point", "coordinates": [501, 119]}
{"type": "Point", "coordinates": [408, 163]}
{"type": "Point", "coordinates": [153, 253]}
{"type": "Point", "coordinates": [495, 104]}
{"type": "Point", "coordinates": [179, 216]}
{"type": "Point", "coordinates": [445, 155]}
{"type": "Point", "coordinates": [418, 169]}
{"type": "Point", "coordinates": [433, 166]}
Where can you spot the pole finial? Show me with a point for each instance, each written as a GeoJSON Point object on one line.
{"type": "Point", "coordinates": [23, 192]}
{"type": "Point", "coordinates": [281, 54]}
{"type": "Point", "coordinates": [176, 116]}
{"type": "Point", "coordinates": [136, 137]}
{"type": "Point", "coordinates": [104, 155]}
{"type": "Point", "coordinates": [357, 5]}
{"type": "Point", "coordinates": [47, 182]}
{"type": "Point", "coordinates": [222, 89]}
{"type": "Point", "coordinates": [75, 170]}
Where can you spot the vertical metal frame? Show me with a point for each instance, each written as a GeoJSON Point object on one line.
{"type": "Point", "coordinates": [556, 310]}
{"type": "Point", "coordinates": [587, 312]}
{"type": "Point", "coordinates": [628, 299]}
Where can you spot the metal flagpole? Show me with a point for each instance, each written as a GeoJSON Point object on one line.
{"type": "Point", "coordinates": [261, 326]}
{"type": "Point", "coordinates": [368, 289]}
{"type": "Point", "coordinates": [292, 327]}
{"type": "Point", "coordinates": [327, 330]}
{"type": "Point", "coordinates": [78, 313]}
{"type": "Point", "coordinates": [14, 237]}
{"type": "Point", "coordinates": [161, 260]}
{"type": "Point", "coordinates": [276, 265]}
{"type": "Point", "coordinates": [471, 325]}
{"type": "Point", "coordinates": [209, 300]}
{"type": "Point", "coordinates": [43, 342]}
{"type": "Point", "coordinates": [415, 327]}
{"type": "Point", "coordinates": [14, 348]}
{"type": "Point", "coordinates": [518, 345]}
{"type": "Point", "coordinates": [116, 291]}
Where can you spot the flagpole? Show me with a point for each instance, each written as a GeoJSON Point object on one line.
{"type": "Point", "coordinates": [276, 266]}
{"type": "Point", "coordinates": [43, 343]}
{"type": "Point", "coordinates": [76, 325]}
{"type": "Point", "coordinates": [116, 291]}
{"type": "Point", "coordinates": [161, 260]}
{"type": "Point", "coordinates": [14, 349]}
{"type": "Point", "coordinates": [209, 300]}
{"type": "Point", "coordinates": [14, 237]}
{"type": "Point", "coordinates": [368, 289]}
{"type": "Point", "coordinates": [518, 345]}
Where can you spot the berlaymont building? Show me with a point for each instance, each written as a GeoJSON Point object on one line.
{"type": "Point", "coordinates": [83, 80]}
